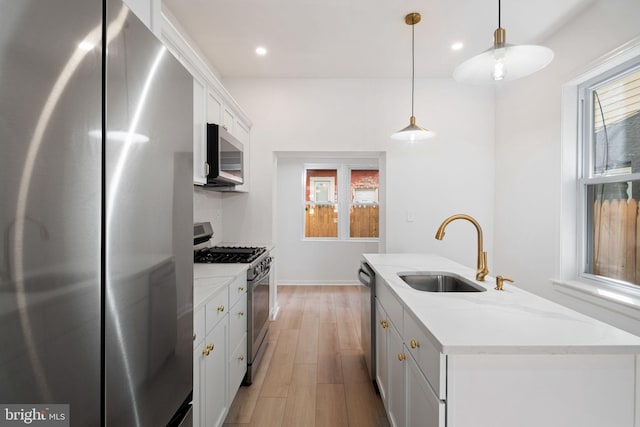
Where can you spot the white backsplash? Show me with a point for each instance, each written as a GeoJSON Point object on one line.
{"type": "Point", "coordinates": [207, 206]}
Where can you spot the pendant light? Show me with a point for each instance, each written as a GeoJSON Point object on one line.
{"type": "Point", "coordinates": [413, 132]}
{"type": "Point", "coordinates": [503, 61]}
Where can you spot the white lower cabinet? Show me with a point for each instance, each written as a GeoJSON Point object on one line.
{"type": "Point", "coordinates": [403, 358]}
{"type": "Point", "coordinates": [397, 362]}
{"type": "Point", "coordinates": [220, 358]}
{"type": "Point", "coordinates": [213, 371]}
{"type": "Point", "coordinates": [238, 366]}
{"type": "Point", "coordinates": [237, 340]}
{"type": "Point", "coordinates": [382, 377]}
{"type": "Point", "coordinates": [423, 408]}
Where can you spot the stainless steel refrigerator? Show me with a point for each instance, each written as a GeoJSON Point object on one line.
{"type": "Point", "coordinates": [96, 215]}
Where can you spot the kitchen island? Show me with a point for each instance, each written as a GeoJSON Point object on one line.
{"type": "Point", "coordinates": [495, 358]}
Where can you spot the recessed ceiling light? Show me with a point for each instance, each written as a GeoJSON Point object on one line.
{"type": "Point", "coordinates": [457, 46]}
{"type": "Point", "coordinates": [262, 51]}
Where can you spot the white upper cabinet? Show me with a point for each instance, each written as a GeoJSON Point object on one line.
{"type": "Point", "coordinates": [142, 9]}
{"type": "Point", "coordinates": [199, 132]}
{"type": "Point", "coordinates": [228, 121]}
{"type": "Point", "coordinates": [212, 102]}
{"type": "Point", "coordinates": [214, 107]}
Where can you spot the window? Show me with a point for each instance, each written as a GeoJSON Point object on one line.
{"type": "Point", "coordinates": [610, 175]}
{"type": "Point", "coordinates": [364, 211]}
{"type": "Point", "coordinates": [321, 207]}
{"type": "Point", "coordinates": [332, 191]}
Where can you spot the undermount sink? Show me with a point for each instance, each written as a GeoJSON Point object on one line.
{"type": "Point", "coordinates": [439, 282]}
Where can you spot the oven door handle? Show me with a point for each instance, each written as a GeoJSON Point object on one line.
{"type": "Point", "coordinates": [264, 273]}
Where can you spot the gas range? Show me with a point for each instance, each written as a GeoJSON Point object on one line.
{"type": "Point", "coordinates": [257, 256]}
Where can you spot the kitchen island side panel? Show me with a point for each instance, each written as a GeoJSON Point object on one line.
{"type": "Point", "coordinates": [562, 390]}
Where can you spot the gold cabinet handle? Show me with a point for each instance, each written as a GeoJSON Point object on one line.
{"type": "Point", "coordinates": [241, 313]}
{"type": "Point", "coordinates": [221, 308]}
{"type": "Point", "coordinates": [240, 288]}
{"type": "Point", "coordinates": [241, 357]}
{"type": "Point", "coordinates": [415, 344]}
{"type": "Point", "coordinates": [401, 357]}
{"type": "Point", "coordinates": [208, 349]}
{"type": "Point", "coordinates": [384, 324]}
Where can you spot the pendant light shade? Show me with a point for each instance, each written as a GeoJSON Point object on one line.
{"type": "Point", "coordinates": [412, 132]}
{"type": "Point", "coordinates": [503, 62]}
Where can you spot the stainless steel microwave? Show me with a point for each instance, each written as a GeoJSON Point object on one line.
{"type": "Point", "coordinates": [225, 158]}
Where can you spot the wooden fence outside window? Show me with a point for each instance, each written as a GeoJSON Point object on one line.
{"type": "Point", "coordinates": [322, 221]}
{"type": "Point", "coordinates": [616, 240]}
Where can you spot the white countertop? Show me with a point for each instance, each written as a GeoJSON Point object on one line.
{"type": "Point", "coordinates": [512, 321]}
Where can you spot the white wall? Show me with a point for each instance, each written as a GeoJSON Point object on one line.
{"type": "Point", "coordinates": [311, 261]}
{"type": "Point", "coordinates": [528, 142]}
{"type": "Point", "coordinates": [207, 207]}
{"type": "Point", "coordinates": [454, 172]}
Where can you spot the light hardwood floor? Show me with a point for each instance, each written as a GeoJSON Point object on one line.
{"type": "Point", "coordinates": [313, 373]}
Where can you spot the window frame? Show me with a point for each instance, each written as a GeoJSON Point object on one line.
{"type": "Point", "coordinates": [343, 201]}
{"type": "Point", "coordinates": [586, 166]}
{"type": "Point", "coordinates": [569, 278]}
{"type": "Point", "coordinates": [586, 161]}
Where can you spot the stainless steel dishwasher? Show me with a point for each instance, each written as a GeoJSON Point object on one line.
{"type": "Point", "coordinates": [367, 277]}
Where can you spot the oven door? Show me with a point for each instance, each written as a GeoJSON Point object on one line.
{"type": "Point", "coordinates": [258, 308]}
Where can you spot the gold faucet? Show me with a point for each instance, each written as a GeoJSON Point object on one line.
{"type": "Point", "coordinates": [481, 270]}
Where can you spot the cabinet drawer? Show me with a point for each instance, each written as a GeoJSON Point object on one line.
{"type": "Point", "coordinates": [431, 362]}
{"type": "Point", "coordinates": [237, 366]}
{"type": "Point", "coordinates": [423, 407]}
{"type": "Point", "coordinates": [391, 305]}
{"type": "Point", "coordinates": [217, 308]}
{"type": "Point", "coordinates": [237, 288]}
{"type": "Point", "coordinates": [237, 322]}
{"type": "Point", "coordinates": [198, 326]}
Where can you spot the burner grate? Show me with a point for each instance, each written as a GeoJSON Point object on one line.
{"type": "Point", "coordinates": [228, 254]}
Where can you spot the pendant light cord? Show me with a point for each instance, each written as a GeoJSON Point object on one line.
{"type": "Point", "coordinates": [499, 14]}
{"type": "Point", "coordinates": [413, 66]}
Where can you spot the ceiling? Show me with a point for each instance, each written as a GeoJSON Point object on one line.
{"type": "Point", "coordinates": [358, 38]}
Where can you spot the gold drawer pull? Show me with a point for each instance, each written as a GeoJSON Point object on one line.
{"type": "Point", "coordinates": [221, 308]}
{"type": "Point", "coordinates": [415, 344]}
{"type": "Point", "coordinates": [384, 324]}
{"type": "Point", "coordinates": [240, 288]}
{"type": "Point", "coordinates": [241, 357]}
{"type": "Point", "coordinates": [241, 313]}
{"type": "Point", "coordinates": [401, 357]}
